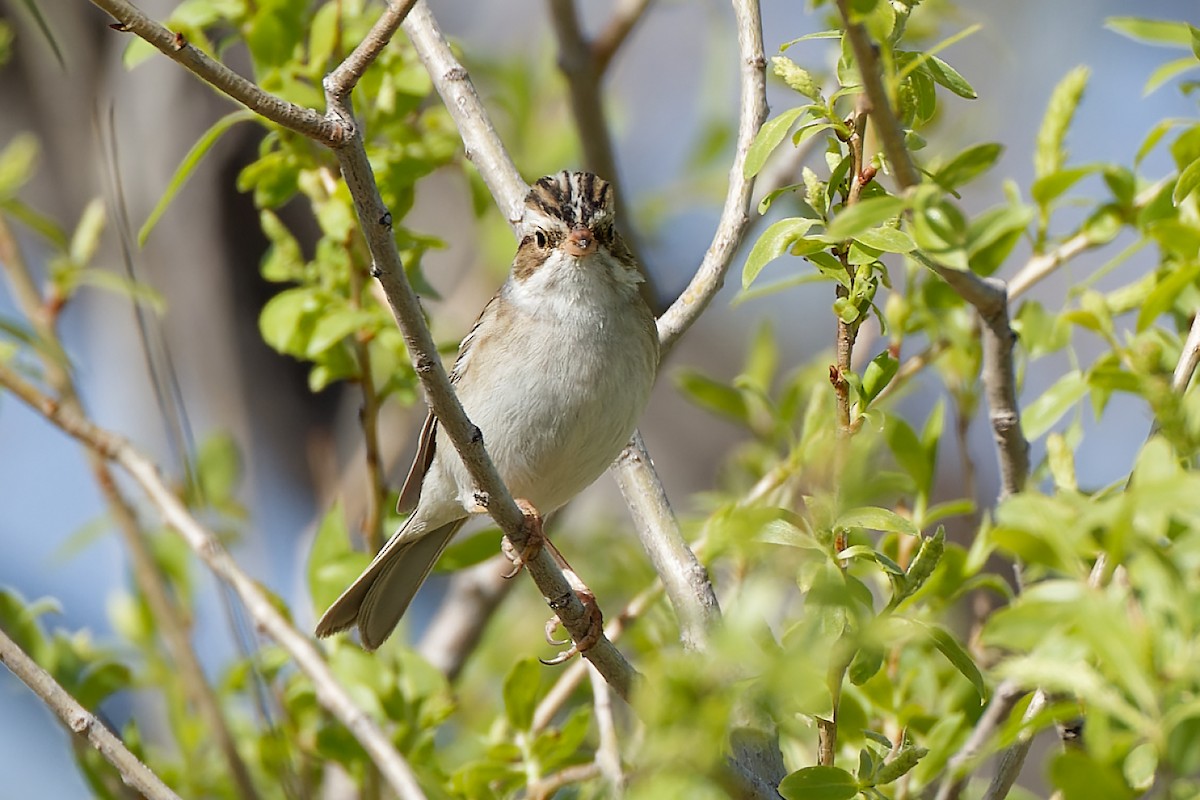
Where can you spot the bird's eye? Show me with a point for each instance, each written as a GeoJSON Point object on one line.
{"type": "Point", "coordinates": [539, 239]}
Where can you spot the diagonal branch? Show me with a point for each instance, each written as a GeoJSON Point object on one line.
{"type": "Point", "coordinates": [482, 143]}
{"type": "Point", "coordinates": [146, 574]}
{"type": "Point", "coordinates": [735, 213]}
{"type": "Point", "coordinates": [303, 120]}
{"type": "Point", "coordinates": [205, 544]}
{"type": "Point", "coordinates": [625, 18]}
{"type": "Point", "coordinates": [81, 722]}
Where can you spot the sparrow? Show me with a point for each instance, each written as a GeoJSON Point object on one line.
{"type": "Point", "coordinates": [554, 373]}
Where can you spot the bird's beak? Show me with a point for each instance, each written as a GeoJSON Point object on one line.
{"type": "Point", "coordinates": [580, 242]}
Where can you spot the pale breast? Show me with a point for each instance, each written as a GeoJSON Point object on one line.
{"type": "Point", "coordinates": [561, 398]}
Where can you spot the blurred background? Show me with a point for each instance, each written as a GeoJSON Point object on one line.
{"type": "Point", "coordinates": [672, 96]}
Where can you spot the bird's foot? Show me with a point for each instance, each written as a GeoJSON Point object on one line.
{"type": "Point", "coordinates": [535, 538]}
{"type": "Point", "coordinates": [591, 610]}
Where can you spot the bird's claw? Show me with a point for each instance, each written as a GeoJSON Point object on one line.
{"type": "Point", "coordinates": [594, 634]}
{"type": "Point", "coordinates": [534, 539]}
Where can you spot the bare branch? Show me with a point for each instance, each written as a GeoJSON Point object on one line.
{"type": "Point", "coordinates": [459, 623]}
{"type": "Point", "coordinates": [608, 753]}
{"type": "Point", "coordinates": [343, 79]}
{"type": "Point", "coordinates": [82, 723]}
{"type": "Point", "coordinates": [625, 18]}
{"type": "Point", "coordinates": [205, 544]}
{"type": "Point", "coordinates": [297, 118]}
{"type": "Point", "coordinates": [483, 145]}
{"type": "Point", "coordinates": [1013, 758]}
{"type": "Point", "coordinates": [961, 764]}
{"type": "Point", "coordinates": [146, 573]}
{"type": "Point", "coordinates": [684, 577]}
{"type": "Point", "coordinates": [583, 84]}
{"type": "Point", "coordinates": [1043, 264]}
{"type": "Point", "coordinates": [1188, 359]}
{"type": "Point", "coordinates": [735, 214]}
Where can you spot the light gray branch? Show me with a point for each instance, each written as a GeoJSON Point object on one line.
{"type": "Point", "coordinates": [456, 628]}
{"type": "Point", "coordinates": [205, 544]}
{"type": "Point", "coordinates": [174, 46]}
{"type": "Point", "coordinates": [735, 214]}
{"type": "Point", "coordinates": [483, 145]}
{"type": "Point", "coordinates": [684, 577]}
{"type": "Point", "coordinates": [81, 722]}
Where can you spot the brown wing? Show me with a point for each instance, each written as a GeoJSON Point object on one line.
{"type": "Point", "coordinates": [410, 493]}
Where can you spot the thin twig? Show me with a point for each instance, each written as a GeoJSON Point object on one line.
{"type": "Point", "coordinates": [583, 85]}
{"type": "Point", "coordinates": [81, 722]}
{"type": "Point", "coordinates": [483, 145]}
{"type": "Point", "coordinates": [989, 296]}
{"type": "Point", "coordinates": [735, 213]}
{"type": "Point", "coordinates": [368, 417]}
{"type": "Point", "coordinates": [1041, 265]}
{"type": "Point", "coordinates": [584, 77]}
{"type": "Point", "coordinates": [1188, 359]}
{"type": "Point", "coordinates": [962, 763]}
{"type": "Point", "coordinates": [625, 18]}
{"type": "Point", "coordinates": [576, 773]}
{"type": "Point", "coordinates": [146, 573]}
{"type": "Point", "coordinates": [474, 594]}
{"type": "Point", "coordinates": [684, 577]}
{"type": "Point", "coordinates": [303, 120]}
{"type": "Point", "coordinates": [347, 74]}
{"type": "Point", "coordinates": [608, 753]}
{"type": "Point", "coordinates": [204, 543]}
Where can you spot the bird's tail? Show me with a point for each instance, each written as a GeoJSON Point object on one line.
{"type": "Point", "coordinates": [380, 596]}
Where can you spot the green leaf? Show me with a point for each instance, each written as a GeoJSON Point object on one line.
{"type": "Point", "coordinates": [219, 469]}
{"type": "Point", "coordinates": [819, 783]}
{"type": "Point", "coordinates": [772, 244]}
{"type": "Point", "coordinates": [768, 138]}
{"type": "Point", "coordinates": [796, 77]}
{"type": "Point", "coordinates": [876, 519]}
{"type": "Point", "coordinates": [86, 238]}
{"type": "Point", "coordinates": [332, 564]}
{"type": "Point", "coordinates": [887, 240]}
{"type": "Point", "coordinates": [17, 163]}
{"type": "Point", "coordinates": [1050, 154]}
{"type": "Point", "coordinates": [1165, 72]}
{"type": "Point", "coordinates": [1164, 295]}
{"type": "Point", "coordinates": [1189, 179]}
{"type": "Point", "coordinates": [520, 693]}
{"type": "Point", "coordinates": [949, 77]}
{"type": "Point", "coordinates": [710, 394]}
{"type": "Point", "coordinates": [1152, 31]}
{"type": "Point", "coordinates": [992, 235]}
{"type": "Point", "coordinates": [188, 166]}
{"type": "Point", "coordinates": [42, 224]}
{"type": "Point", "coordinates": [1042, 413]}
{"type": "Point", "coordinates": [1050, 186]}
{"type": "Point", "coordinates": [334, 326]}
{"type": "Point", "coordinates": [908, 452]}
{"type": "Point", "coordinates": [878, 374]}
{"type": "Point", "coordinates": [468, 551]}
{"type": "Point", "coordinates": [1081, 777]}
{"type": "Point", "coordinates": [957, 655]}
{"type": "Point", "coordinates": [969, 165]}
{"type": "Point", "coordinates": [862, 216]}
{"type": "Point", "coordinates": [287, 319]}
{"type": "Point", "coordinates": [44, 28]}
